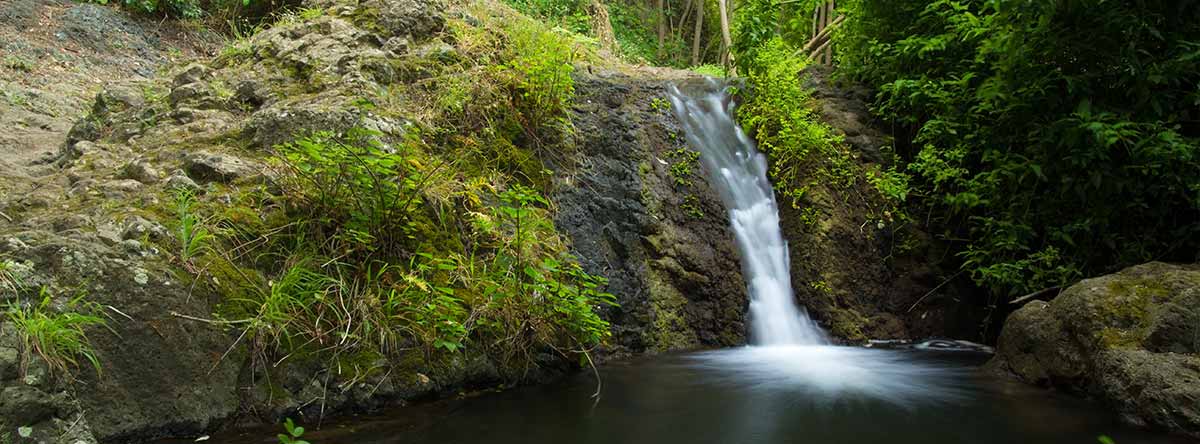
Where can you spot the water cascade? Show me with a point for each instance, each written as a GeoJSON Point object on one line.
{"type": "Point", "coordinates": [739, 173]}
{"type": "Point", "coordinates": [788, 350]}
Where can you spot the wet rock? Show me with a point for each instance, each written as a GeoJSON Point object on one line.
{"type": "Point", "coordinates": [210, 167]}
{"type": "Point", "coordinates": [675, 273]}
{"type": "Point", "coordinates": [24, 404]}
{"type": "Point", "coordinates": [1119, 337]}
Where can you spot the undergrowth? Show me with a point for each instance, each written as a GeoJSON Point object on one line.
{"type": "Point", "coordinates": [55, 334]}
{"type": "Point", "coordinates": [779, 114]}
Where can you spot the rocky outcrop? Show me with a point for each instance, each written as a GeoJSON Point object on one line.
{"type": "Point", "coordinates": [640, 212]}
{"type": "Point", "coordinates": [862, 272]}
{"type": "Point", "coordinates": [1129, 339]}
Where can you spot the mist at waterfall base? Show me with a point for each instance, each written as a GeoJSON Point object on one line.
{"type": "Point", "coordinates": [789, 351]}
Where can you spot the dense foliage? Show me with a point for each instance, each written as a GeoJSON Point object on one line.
{"type": "Point", "coordinates": [635, 24]}
{"type": "Point", "coordinates": [1055, 139]}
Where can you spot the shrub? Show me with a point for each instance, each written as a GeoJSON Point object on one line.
{"type": "Point", "coordinates": [541, 62]}
{"type": "Point", "coordinates": [779, 115]}
{"type": "Point", "coordinates": [353, 194]}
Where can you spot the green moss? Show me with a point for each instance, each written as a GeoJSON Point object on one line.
{"type": "Point", "coordinates": [1125, 312]}
{"type": "Point", "coordinates": [669, 330]}
{"type": "Point", "coordinates": [848, 323]}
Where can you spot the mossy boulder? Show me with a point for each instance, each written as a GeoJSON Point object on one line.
{"type": "Point", "coordinates": [1129, 338]}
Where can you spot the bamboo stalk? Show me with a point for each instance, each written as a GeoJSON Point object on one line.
{"type": "Point", "coordinates": [817, 53]}
{"type": "Point", "coordinates": [822, 36]}
{"type": "Point", "coordinates": [829, 48]}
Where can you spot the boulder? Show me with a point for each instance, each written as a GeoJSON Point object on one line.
{"type": "Point", "coordinates": [1130, 339]}
{"type": "Point", "coordinates": [210, 167]}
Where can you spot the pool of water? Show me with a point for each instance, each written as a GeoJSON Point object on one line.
{"type": "Point", "coordinates": [753, 395]}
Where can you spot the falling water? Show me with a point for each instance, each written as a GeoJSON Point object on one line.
{"type": "Point", "coordinates": [790, 352]}
{"type": "Point", "coordinates": [739, 173]}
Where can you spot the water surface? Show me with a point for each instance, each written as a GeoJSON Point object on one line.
{"type": "Point", "coordinates": [735, 396]}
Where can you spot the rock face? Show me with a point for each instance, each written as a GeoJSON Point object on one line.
{"type": "Point", "coordinates": [1130, 339]}
{"type": "Point", "coordinates": [861, 273]}
{"type": "Point", "coordinates": [640, 212]}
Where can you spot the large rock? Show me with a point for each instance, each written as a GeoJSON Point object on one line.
{"type": "Point", "coordinates": [1129, 338]}
{"type": "Point", "coordinates": [659, 235]}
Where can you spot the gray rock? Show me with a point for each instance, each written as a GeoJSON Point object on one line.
{"type": "Point", "coordinates": [1128, 338]}
{"type": "Point", "coordinates": [140, 171]}
{"type": "Point", "coordinates": [118, 188]}
{"type": "Point", "coordinates": [179, 180]}
{"type": "Point", "coordinates": [191, 92]}
{"type": "Point", "coordinates": [10, 363]}
{"type": "Point", "coordinates": [23, 404]}
{"type": "Point", "coordinates": [109, 233]}
{"type": "Point", "coordinates": [192, 73]}
{"type": "Point", "coordinates": [210, 167]}
{"type": "Point", "coordinates": [137, 228]}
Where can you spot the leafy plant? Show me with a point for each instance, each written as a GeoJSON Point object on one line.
{"type": "Point", "coordinates": [779, 114]}
{"type": "Point", "coordinates": [542, 64]}
{"type": "Point", "coordinates": [353, 191]}
{"type": "Point", "coordinates": [293, 435]}
{"type": "Point", "coordinates": [192, 234]}
{"type": "Point", "coordinates": [1056, 139]}
{"type": "Point", "coordinates": [57, 337]}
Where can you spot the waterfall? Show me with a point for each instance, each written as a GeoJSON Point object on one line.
{"type": "Point", "coordinates": [739, 173]}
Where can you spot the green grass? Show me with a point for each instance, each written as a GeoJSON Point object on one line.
{"type": "Point", "coordinates": [58, 337]}
{"type": "Point", "coordinates": [192, 234]}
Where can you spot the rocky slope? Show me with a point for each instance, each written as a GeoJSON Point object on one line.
{"type": "Point", "coordinates": [1129, 339]}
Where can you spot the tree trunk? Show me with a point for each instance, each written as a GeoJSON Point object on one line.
{"type": "Point", "coordinates": [699, 30]}
{"type": "Point", "coordinates": [727, 57]}
{"type": "Point", "coordinates": [662, 27]}
{"type": "Point", "coordinates": [602, 26]}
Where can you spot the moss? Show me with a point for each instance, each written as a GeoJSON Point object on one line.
{"type": "Point", "coordinates": [670, 330]}
{"type": "Point", "coordinates": [848, 323]}
{"type": "Point", "coordinates": [1125, 312]}
{"type": "Point", "coordinates": [232, 282]}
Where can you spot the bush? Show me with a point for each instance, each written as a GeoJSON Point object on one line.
{"type": "Point", "coordinates": [375, 252]}
{"type": "Point", "coordinates": [541, 62]}
{"type": "Point", "coordinates": [1057, 138]}
{"type": "Point", "coordinates": [778, 113]}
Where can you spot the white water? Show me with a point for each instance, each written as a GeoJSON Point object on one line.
{"type": "Point", "coordinates": [739, 173]}
{"type": "Point", "coordinates": [789, 351]}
